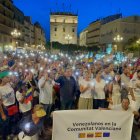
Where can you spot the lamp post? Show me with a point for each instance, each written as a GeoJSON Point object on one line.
{"type": "Point", "coordinates": [51, 47]}
{"type": "Point", "coordinates": [16, 44]}
{"type": "Point", "coordinates": [115, 48]}
{"type": "Point", "coordinates": [117, 39]}
{"type": "Point", "coordinates": [16, 34]}
{"type": "Point", "coordinates": [68, 38]}
{"type": "Point", "coordinates": [26, 46]}
{"type": "Point", "coordinates": [138, 42]}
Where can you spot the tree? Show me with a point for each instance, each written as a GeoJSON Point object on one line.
{"type": "Point", "coordinates": [71, 48]}
{"type": "Point", "coordinates": [131, 44]}
{"type": "Point", "coordinates": [93, 48]}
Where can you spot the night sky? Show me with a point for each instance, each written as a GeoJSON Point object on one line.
{"type": "Point", "coordinates": [88, 10]}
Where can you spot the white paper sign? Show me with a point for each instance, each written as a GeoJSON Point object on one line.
{"type": "Point", "coordinates": [92, 124]}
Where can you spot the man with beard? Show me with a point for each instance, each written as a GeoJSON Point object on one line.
{"type": "Point", "coordinates": [68, 88]}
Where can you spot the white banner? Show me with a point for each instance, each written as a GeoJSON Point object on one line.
{"type": "Point", "coordinates": [92, 124]}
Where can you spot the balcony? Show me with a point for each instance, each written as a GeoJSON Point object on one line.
{"type": "Point", "coordinates": [6, 26]}
{"type": "Point", "coordinates": [11, 14]}
{"type": "Point", "coordinates": [8, 4]}
{"type": "Point", "coordinates": [21, 39]}
{"type": "Point", "coordinates": [6, 23]}
{"type": "Point", "coordinates": [5, 30]}
{"type": "Point", "coordinates": [2, 32]}
{"type": "Point", "coordinates": [27, 27]}
{"type": "Point", "coordinates": [27, 35]}
{"type": "Point", "coordinates": [4, 16]}
{"type": "Point", "coordinates": [9, 9]}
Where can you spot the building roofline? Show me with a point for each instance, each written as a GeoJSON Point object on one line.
{"type": "Point", "coordinates": [110, 16]}
{"type": "Point", "coordinates": [86, 29]}
{"type": "Point", "coordinates": [18, 9]}
{"type": "Point", "coordinates": [63, 13]}
{"type": "Point", "coordinates": [11, 1]}
{"type": "Point", "coordinates": [107, 17]}
{"type": "Point", "coordinates": [94, 21]}
{"type": "Point", "coordinates": [28, 19]}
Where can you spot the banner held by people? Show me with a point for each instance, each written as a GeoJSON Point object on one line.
{"type": "Point", "coordinates": [83, 124]}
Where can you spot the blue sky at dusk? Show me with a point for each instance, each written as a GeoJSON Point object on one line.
{"type": "Point", "coordinates": [88, 10]}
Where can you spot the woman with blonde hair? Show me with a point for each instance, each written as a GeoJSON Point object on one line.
{"type": "Point", "coordinates": [86, 97]}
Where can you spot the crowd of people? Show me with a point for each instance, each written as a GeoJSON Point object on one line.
{"type": "Point", "coordinates": [34, 84]}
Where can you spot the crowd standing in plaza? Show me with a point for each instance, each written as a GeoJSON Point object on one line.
{"type": "Point", "coordinates": [34, 84]}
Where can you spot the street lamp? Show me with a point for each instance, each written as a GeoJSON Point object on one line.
{"type": "Point", "coordinates": [68, 38]}
{"type": "Point", "coordinates": [138, 42]}
{"type": "Point", "coordinates": [15, 34]}
{"type": "Point", "coordinates": [26, 46]}
{"type": "Point", "coordinates": [16, 44]}
{"type": "Point", "coordinates": [118, 39]}
{"type": "Point", "coordinates": [115, 48]}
